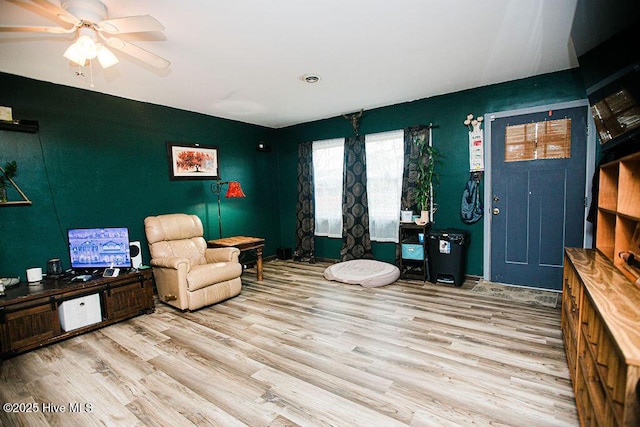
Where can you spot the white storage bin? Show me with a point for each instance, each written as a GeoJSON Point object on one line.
{"type": "Point", "coordinates": [78, 312]}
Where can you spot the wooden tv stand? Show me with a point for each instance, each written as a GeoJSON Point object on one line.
{"type": "Point", "coordinates": [29, 314]}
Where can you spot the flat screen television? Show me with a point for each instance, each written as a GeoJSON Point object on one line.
{"type": "Point", "coordinates": [99, 248]}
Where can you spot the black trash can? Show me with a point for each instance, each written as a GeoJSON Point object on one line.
{"type": "Point", "coordinates": [447, 255]}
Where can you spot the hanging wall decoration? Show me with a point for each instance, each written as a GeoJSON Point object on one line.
{"type": "Point", "coordinates": [354, 119]}
{"type": "Point", "coordinates": [192, 161]}
{"type": "Point", "coordinates": [471, 208]}
{"type": "Point", "coordinates": [476, 149]}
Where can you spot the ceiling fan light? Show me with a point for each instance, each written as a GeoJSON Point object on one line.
{"type": "Point", "coordinates": [75, 54]}
{"type": "Point", "coordinates": [106, 57]}
{"type": "Point", "coordinates": [88, 46]}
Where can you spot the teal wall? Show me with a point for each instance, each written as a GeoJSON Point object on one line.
{"type": "Point", "coordinates": [451, 139]}
{"type": "Point", "coordinates": [100, 160]}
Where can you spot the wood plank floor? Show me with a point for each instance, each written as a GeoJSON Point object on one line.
{"type": "Point", "coordinates": [296, 349]}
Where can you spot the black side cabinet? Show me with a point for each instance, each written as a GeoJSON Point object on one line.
{"type": "Point", "coordinates": [414, 258]}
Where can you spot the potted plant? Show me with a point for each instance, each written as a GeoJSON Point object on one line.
{"type": "Point", "coordinates": [9, 171]}
{"type": "Point", "coordinates": [426, 178]}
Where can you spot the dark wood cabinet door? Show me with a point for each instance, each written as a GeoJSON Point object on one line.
{"type": "Point", "coordinates": [130, 299]}
{"type": "Point", "coordinates": [29, 326]}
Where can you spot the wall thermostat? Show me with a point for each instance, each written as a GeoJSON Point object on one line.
{"type": "Point", "coordinates": [111, 272]}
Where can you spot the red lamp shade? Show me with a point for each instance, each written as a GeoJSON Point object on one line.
{"type": "Point", "coordinates": [234, 190]}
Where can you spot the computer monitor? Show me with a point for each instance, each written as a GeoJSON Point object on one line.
{"type": "Point", "coordinates": [99, 248]}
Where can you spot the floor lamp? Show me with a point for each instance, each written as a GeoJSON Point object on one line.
{"type": "Point", "coordinates": [234, 190]}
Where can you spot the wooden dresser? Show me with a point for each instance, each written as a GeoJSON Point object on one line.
{"type": "Point", "coordinates": [601, 330]}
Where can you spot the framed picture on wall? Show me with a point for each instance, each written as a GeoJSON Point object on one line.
{"type": "Point", "coordinates": [192, 161]}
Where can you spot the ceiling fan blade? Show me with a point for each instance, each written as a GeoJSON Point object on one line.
{"type": "Point", "coordinates": [137, 52]}
{"type": "Point", "coordinates": [130, 24]}
{"type": "Point", "coordinates": [34, 29]}
{"type": "Point", "coordinates": [59, 12]}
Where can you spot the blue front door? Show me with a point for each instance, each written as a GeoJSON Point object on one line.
{"type": "Point", "coordinates": [537, 205]}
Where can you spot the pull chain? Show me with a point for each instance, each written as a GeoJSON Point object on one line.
{"type": "Point", "coordinates": [91, 82]}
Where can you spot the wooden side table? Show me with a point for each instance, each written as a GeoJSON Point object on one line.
{"type": "Point", "coordinates": [244, 244]}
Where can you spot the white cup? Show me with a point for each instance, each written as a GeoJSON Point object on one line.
{"type": "Point", "coordinates": [34, 274]}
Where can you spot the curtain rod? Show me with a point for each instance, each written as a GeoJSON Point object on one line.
{"type": "Point", "coordinates": [421, 127]}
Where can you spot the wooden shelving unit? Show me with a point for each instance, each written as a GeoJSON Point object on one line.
{"type": "Point", "coordinates": [618, 227]}
{"type": "Point", "coordinates": [414, 268]}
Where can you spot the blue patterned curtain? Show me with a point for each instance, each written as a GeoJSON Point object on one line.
{"type": "Point", "coordinates": [305, 221]}
{"type": "Point", "coordinates": [356, 242]}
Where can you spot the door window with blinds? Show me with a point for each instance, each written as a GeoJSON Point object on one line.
{"type": "Point", "coordinates": [537, 141]}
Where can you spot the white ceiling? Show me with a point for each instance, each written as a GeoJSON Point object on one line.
{"type": "Point", "coordinates": [244, 60]}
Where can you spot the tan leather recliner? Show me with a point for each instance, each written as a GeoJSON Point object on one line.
{"type": "Point", "coordinates": [189, 275]}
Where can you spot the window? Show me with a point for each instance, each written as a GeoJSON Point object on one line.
{"type": "Point", "coordinates": [615, 115]}
{"type": "Point", "coordinates": [535, 141]}
{"type": "Point", "coordinates": [328, 159]}
{"type": "Point", "coordinates": [385, 161]}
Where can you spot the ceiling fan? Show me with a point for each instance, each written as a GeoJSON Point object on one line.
{"type": "Point", "coordinates": [89, 20]}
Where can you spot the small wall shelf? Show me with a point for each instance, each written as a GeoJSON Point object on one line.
{"type": "Point", "coordinates": [21, 203]}
{"type": "Point", "coordinates": [25, 200]}
{"type": "Point", "coordinates": [28, 126]}
{"type": "Point", "coordinates": [25, 126]}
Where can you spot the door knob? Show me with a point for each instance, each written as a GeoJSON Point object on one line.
{"type": "Point", "coordinates": [496, 211]}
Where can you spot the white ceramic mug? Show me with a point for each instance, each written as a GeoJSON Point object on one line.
{"type": "Point", "coordinates": [34, 274]}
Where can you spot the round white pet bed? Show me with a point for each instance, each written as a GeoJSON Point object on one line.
{"type": "Point", "coordinates": [368, 273]}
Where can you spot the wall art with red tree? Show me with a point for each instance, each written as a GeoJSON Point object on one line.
{"type": "Point", "coordinates": [192, 161]}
